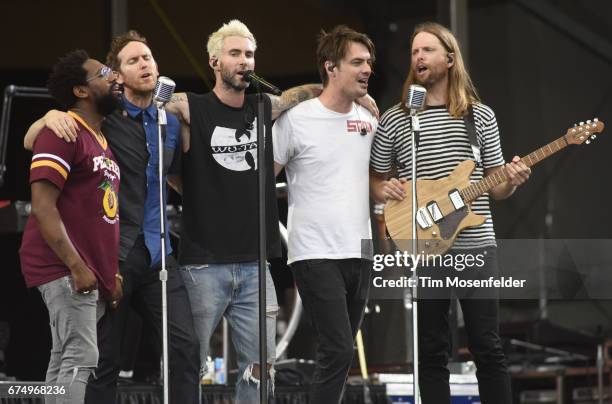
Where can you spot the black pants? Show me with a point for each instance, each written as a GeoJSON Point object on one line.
{"type": "Point", "coordinates": [481, 315]}
{"type": "Point", "coordinates": [142, 290]}
{"type": "Point", "coordinates": [334, 294]}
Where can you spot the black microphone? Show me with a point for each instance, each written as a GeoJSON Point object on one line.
{"type": "Point", "coordinates": [163, 91]}
{"type": "Point", "coordinates": [249, 75]}
{"type": "Point", "coordinates": [415, 99]}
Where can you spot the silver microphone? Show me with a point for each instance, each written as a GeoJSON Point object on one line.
{"type": "Point", "coordinates": [415, 99]}
{"type": "Point", "coordinates": [163, 91]}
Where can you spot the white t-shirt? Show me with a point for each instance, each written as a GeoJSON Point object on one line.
{"type": "Point", "coordinates": [326, 160]}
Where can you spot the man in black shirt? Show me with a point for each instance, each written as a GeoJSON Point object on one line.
{"type": "Point", "coordinates": [218, 180]}
{"type": "Point", "coordinates": [132, 134]}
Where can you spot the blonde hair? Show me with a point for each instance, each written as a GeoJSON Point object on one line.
{"type": "Point", "coordinates": [461, 90]}
{"type": "Point", "coordinates": [232, 28]}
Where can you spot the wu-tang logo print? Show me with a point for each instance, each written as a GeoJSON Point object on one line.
{"type": "Point", "coordinates": [235, 149]}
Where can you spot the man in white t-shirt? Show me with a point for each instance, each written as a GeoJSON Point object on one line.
{"type": "Point", "coordinates": [324, 145]}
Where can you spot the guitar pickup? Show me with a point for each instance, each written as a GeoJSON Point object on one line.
{"type": "Point", "coordinates": [435, 212]}
{"type": "Point", "coordinates": [456, 199]}
{"type": "Point", "coordinates": [423, 219]}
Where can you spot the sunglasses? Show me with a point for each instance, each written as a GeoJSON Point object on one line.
{"type": "Point", "coordinates": [105, 72]}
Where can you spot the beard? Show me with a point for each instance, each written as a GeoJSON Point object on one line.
{"type": "Point", "coordinates": [107, 103]}
{"type": "Point", "coordinates": [433, 78]}
{"type": "Point", "coordinates": [232, 81]}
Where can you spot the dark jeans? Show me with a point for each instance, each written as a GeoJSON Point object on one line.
{"type": "Point", "coordinates": [481, 316]}
{"type": "Point", "coordinates": [334, 294]}
{"type": "Point", "coordinates": [142, 290]}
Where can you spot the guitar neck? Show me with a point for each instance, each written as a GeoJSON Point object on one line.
{"type": "Point", "coordinates": [478, 188]}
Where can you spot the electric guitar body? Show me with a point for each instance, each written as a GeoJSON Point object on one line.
{"type": "Point", "coordinates": [438, 236]}
{"type": "Point", "coordinates": [443, 206]}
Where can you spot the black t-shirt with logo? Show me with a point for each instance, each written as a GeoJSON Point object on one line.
{"type": "Point", "coordinates": [219, 173]}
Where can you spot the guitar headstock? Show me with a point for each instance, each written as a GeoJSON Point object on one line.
{"type": "Point", "coordinates": [584, 132]}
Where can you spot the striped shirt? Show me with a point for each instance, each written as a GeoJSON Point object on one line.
{"type": "Point", "coordinates": [443, 144]}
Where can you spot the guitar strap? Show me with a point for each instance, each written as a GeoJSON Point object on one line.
{"type": "Point", "coordinates": [468, 119]}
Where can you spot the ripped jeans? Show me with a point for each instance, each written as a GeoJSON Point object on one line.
{"type": "Point", "coordinates": [231, 290]}
{"type": "Point", "coordinates": [74, 350]}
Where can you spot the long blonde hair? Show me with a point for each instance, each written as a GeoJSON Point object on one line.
{"type": "Point", "coordinates": [461, 90]}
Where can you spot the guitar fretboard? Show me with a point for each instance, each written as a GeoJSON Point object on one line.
{"type": "Point", "coordinates": [478, 188]}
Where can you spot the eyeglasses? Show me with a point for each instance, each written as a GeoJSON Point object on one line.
{"type": "Point", "coordinates": [105, 72]}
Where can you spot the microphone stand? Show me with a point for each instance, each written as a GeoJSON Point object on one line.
{"type": "Point", "coordinates": [261, 185]}
{"type": "Point", "coordinates": [163, 273]}
{"type": "Point", "coordinates": [416, 129]}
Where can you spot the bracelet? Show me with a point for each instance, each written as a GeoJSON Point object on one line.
{"type": "Point", "coordinates": [118, 276]}
{"type": "Point", "coordinates": [379, 208]}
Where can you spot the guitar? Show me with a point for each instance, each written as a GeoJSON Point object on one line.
{"type": "Point", "coordinates": [444, 205]}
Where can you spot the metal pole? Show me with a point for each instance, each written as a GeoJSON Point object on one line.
{"type": "Point", "coordinates": [415, 321]}
{"type": "Point", "coordinates": [600, 374]}
{"type": "Point", "coordinates": [225, 349]}
{"type": "Point", "coordinates": [261, 184]}
{"type": "Point", "coordinates": [459, 25]}
{"type": "Point", "coordinates": [119, 17]}
{"type": "Point", "coordinates": [163, 273]}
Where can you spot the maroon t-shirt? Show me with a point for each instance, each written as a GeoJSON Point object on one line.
{"type": "Point", "coordinates": [88, 177]}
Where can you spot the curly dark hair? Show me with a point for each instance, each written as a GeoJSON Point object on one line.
{"type": "Point", "coordinates": [67, 73]}
{"type": "Point", "coordinates": [118, 43]}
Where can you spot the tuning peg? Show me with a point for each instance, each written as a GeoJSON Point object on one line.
{"type": "Point", "coordinates": [575, 125]}
{"type": "Point", "coordinates": [588, 141]}
{"type": "Point", "coordinates": [596, 120]}
{"type": "Point", "coordinates": [588, 122]}
{"type": "Point", "coordinates": [593, 137]}
{"type": "Point", "coordinates": [581, 123]}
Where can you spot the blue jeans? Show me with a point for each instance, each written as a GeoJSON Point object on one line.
{"type": "Point", "coordinates": [232, 291]}
{"type": "Point", "coordinates": [74, 350]}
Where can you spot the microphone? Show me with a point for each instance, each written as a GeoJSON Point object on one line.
{"type": "Point", "coordinates": [249, 76]}
{"type": "Point", "coordinates": [415, 99]}
{"type": "Point", "coordinates": [163, 91]}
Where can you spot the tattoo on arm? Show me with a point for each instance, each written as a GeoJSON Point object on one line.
{"type": "Point", "coordinates": [179, 106]}
{"type": "Point", "coordinates": [178, 98]}
{"type": "Point", "coordinates": [290, 98]}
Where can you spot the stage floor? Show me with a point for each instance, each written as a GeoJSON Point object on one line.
{"type": "Point", "coordinates": [219, 394]}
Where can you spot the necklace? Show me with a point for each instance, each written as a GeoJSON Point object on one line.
{"type": "Point", "coordinates": [363, 131]}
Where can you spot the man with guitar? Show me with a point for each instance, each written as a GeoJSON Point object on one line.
{"type": "Point", "coordinates": [444, 142]}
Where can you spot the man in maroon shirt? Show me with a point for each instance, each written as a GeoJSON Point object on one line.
{"type": "Point", "coordinates": [70, 244]}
